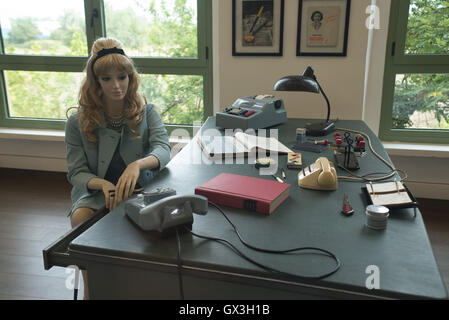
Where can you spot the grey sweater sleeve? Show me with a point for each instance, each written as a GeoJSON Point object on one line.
{"type": "Point", "coordinates": [158, 137]}
{"type": "Point", "coordinates": [78, 173]}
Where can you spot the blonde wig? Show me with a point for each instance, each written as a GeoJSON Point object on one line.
{"type": "Point", "coordinates": [91, 109]}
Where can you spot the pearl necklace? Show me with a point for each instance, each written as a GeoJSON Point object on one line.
{"type": "Point", "coordinates": [115, 123]}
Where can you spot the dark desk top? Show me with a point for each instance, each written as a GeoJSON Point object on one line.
{"type": "Point", "coordinates": [402, 251]}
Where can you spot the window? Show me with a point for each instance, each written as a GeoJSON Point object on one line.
{"type": "Point", "coordinates": [44, 47]}
{"type": "Point", "coordinates": [415, 101]}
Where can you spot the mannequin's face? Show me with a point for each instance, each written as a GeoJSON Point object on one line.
{"type": "Point", "coordinates": [114, 84]}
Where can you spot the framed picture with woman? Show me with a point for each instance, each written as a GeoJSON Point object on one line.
{"type": "Point", "coordinates": [323, 27]}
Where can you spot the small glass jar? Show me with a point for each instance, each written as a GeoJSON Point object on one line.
{"type": "Point", "coordinates": [300, 135]}
{"type": "Point", "coordinates": [377, 217]}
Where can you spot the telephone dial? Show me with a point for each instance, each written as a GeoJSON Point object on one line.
{"type": "Point", "coordinates": [162, 210]}
{"type": "Point", "coordinates": [320, 175]}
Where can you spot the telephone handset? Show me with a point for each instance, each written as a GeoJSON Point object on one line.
{"type": "Point", "coordinates": [320, 175]}
{"type": "Point", "coordinates": [166, 213]}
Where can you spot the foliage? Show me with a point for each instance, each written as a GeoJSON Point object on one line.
{"type": "Point", "coordinates": [172, 33]}
{"type": "Point", "coordinates": [41, 94]}
{"type": "Point", "coordinates": [160, 29]}
{"type": "Point", "coordinates": [70, 27]}
{"type": "Point", "coordinates": [426, 34]}
{"type": "Point", "coordinates": [427, 27]}
{"type": "Point", "coordinates": [23, 30]}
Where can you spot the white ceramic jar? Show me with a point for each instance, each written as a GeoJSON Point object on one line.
{"type": "Point", "coordinates": [377, 217]}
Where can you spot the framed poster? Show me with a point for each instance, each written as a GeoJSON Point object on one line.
{"type": "Point", "coordinates": [323, 27]}
{"type": "Point", "coordinates": [257, 27]}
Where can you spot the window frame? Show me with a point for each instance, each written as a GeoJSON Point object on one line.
{"type": "Point", "coordinates": [201, 65]}
{"type": "Point", "coordinates": [397, 62]}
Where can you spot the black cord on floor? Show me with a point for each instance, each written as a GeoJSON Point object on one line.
{"type": "Point", "coordinates": [76, 284]}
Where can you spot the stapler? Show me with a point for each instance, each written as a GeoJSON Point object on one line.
{"type": "Point", "coordinates": [320, 175]}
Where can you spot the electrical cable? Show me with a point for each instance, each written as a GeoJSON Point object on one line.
{"type": "Point", "coordinates": [76, 284]}
{"type": "Point", "coordinates": [181, 287]}
{"type": "Point", "coordinates": [363, 178]}
{"type": "Point", "coordinates": [328, 253]}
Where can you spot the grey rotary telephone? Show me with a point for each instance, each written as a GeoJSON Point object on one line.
{"type": "Point", "coordinates": [162, 210]}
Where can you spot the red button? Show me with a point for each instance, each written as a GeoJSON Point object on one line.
{"type": "Point", "coordinates": [249, 113]}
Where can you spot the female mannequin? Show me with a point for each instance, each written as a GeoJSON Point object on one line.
{"type": "Point", "coordinates": [115, 143]}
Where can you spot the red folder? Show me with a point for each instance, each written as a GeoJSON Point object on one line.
{"type": "Point", "coordinates": [250, 193]}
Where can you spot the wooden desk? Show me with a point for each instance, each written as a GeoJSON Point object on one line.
{"type": "Point", "coordinates": [126, 263]}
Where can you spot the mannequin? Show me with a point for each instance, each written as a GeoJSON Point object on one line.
{"type": "Point", "coordinates": [115, 142]}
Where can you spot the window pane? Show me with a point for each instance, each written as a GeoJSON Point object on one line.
{"type": "Point", "coordinates": [178, 98]}
{"type": "Point", "coordinates": [421, 101]}
{"type": "Point", "coordinates": [156, 28]}
{"type": "Point", "coordinates": [44, 95]}
{"type": "Point", "coordinates": [47, 27]}
{"type": "Point", "coordinates": [427, 29]}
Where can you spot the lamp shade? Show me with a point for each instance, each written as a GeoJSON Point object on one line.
{"type": "Point", "coordinates": [304, 82]}
{"type": "Point", "coordinates": [308, 82]}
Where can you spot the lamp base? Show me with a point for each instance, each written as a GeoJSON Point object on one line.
{"type": "Point", "coordinates": [320, 129]}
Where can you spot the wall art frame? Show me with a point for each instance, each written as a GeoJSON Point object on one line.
{"type": "Point", "coordinates": [323, 27]}
{"type": "Point", "coordinates": [257, 27]}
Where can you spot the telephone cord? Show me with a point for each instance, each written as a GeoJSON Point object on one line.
{"type": "Point", "coordinates": [181, 287]}
{"type": "Point", "coordinates": [233, 247]}
{"type": "Point", "coordinates": [362, 178]}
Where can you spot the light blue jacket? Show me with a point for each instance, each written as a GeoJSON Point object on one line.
{"type": "Point", "coordinates": [87, 160]}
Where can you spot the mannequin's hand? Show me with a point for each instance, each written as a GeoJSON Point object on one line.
{"type": "Point", "coordinates": [126, 184]}
{"type": "Point", "coordinates": [108, 190]}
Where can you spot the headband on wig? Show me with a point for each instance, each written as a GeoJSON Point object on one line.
{"type": "Point", "coordinates": [104, 52]}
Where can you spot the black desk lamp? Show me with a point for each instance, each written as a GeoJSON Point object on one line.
{"type": "Point", "coordinates": [307, 82]}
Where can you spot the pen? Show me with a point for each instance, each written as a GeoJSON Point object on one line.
{"type": "Point", "coordinates": [278, 179]}
{"type": "Point", "coordinates": [283, 174]}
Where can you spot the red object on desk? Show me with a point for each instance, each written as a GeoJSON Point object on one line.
{"type": "Point", "coordinates": [249, 113]}
{"type": "Point", "coordinates": [254, 194]}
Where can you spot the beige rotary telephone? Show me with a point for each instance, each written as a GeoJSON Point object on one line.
{"type": "Point", "coordinates": [320, 175]}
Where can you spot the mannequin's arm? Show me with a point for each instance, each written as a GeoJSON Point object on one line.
{"type": "Point", "coordinates": [78, 172]}
{"type": "Point", "coordinates": [151, 162]}
{"type": "Point", "coordinates": [158, 140]}
{"type": "Point", "coordinates": [107, 187]}
{"type": "Point", "coordinates": [98, 184]}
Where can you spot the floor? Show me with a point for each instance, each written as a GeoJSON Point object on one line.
{"type": "Point", "coordinates": [33, 209]}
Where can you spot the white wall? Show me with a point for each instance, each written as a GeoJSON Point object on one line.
{"type": "Point", "coordinates": [374, 68]}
